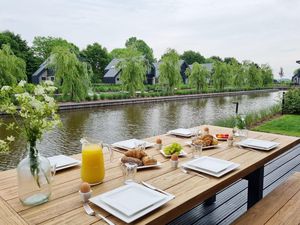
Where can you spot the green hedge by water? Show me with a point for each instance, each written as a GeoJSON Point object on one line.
{"type": "Point", "coordinates": [292, 101]}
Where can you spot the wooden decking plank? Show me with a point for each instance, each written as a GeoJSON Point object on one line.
{"type": "Point", "coordinates": [272, 202]}
{"type": "Point", "coordinates": [289, 213]}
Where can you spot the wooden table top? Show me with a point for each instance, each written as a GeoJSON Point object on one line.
{"type": "Point", "coordinates": [65, 206]}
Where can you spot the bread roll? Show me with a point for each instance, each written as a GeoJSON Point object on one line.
{"type": "Point", "coordinates": [126, 159]}
{"type": "Point", "coordinates": [148, 161]}
{"type": "Point", "coordinates": [135, 153]}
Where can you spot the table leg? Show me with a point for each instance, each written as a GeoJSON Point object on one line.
{"type": "Point", "coordinates": [255, 186]}
{"type": "Point", "coordinates": [210, 200]}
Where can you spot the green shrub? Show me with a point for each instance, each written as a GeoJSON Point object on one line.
{"type": "Point", "coordinates": [292, 101]}
{"type": "Point", "coordinates": [95, 97]}
{"type": "Point", "coordinates": [89, 98]}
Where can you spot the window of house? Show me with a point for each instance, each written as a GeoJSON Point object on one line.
{"type": "Point", "coordinates": [43, 78]}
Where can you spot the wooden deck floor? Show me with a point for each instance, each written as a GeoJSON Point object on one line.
{"type": "Point", "coordinates": [232, 201]}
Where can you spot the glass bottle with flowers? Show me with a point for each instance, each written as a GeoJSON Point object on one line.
{"type": "Point", "coordinates": [34, 111]}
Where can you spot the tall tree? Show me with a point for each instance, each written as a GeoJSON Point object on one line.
{"type": "Point", "coordinates": [169, 70]}
{"type": "Point", "coordinates": [214, 58]}
{"type": "Point", "coordinates": [12, 68]}
{"type": "Point", "coordinates": [238, 74]}
{"type": "Point", "coordinates": [133, 70]}
{"type": "Point", "coordinates": [98, 57]}
{"type": "Point", "coordinates": [142, 47]}
{"type": "Point", "coordinates": [117, 52]}
{"type": "Point", "coordinates": [191, 56]}
{"type": "Point", "coordinates": [254, 78]}
{"type": "Point", "coordinates": [71, 76]}
{"type": "Point", "coordinates": [43, 46]}
{"type": "Point", "coordinates": [20, 49]}
{"type": "Point", "coordinates": [199, 77]}
{"type": "Point", "coordinates": [220, 75]}
{"type": "Point", "coordinates": [267, 75]}
{"type": "Point", "coordinates": [231, 60]}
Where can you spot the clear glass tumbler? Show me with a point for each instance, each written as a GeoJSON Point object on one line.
{"type": "Point", "coordinates": [197, 150]}
{"type": "Point", "coordinates": [129, 171]}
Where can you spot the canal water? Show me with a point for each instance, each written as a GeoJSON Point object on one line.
{"type": "Point", "coordinates": [111, 124]}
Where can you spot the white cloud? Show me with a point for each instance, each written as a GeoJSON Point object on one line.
{"type": "Point", "coordinates": [265, 31]}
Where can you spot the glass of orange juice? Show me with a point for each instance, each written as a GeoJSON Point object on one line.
{"type": "Point", "coordinates": [92, 165]}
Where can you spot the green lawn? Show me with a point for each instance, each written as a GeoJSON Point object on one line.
{"type": "Point", "coordinates": [287, 125]}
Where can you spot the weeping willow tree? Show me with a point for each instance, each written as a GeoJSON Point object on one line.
{"type": "Point", "coordinates": [169, 70]}
{"type": "Point", "coordinates": [220, 75]}
{"type": "Point", "coordinates": [198, 77]}
{"type": "Point", "coordinates": [72, 77]}
{"type": "Point", "coordinates": [12, 68]}
{"type": "Point", "coordinates": [253, 74]}
{"type": "Point", "coordinates": [133, 71]}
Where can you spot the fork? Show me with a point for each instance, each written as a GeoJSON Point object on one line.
{"type": "Point", "coordinates": [91, 212]}
{"type": "Point", "coordinates": [192, 173]}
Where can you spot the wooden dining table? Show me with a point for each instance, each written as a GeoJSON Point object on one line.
{"type": "Point", "coordinates": [65, 206]}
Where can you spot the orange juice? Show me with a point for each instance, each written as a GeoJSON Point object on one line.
{"type": "Point", "coordinates": [92, 168]}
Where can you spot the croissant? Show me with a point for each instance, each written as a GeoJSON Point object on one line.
{"type": "Point", "coordinates": [136, 153]}
{"type": "Point", "coordinates": [149, 161]}
{"type": "Point", "coordinates": [126, 159]}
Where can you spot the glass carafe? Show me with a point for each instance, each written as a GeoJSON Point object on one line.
{"type": "Point", "coordinates": [35, 190]}
{"type": "Point", "coordinates": [92, 167]}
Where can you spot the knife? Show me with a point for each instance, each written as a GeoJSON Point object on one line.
{"type": "Point", "coordinates": [156, 189]}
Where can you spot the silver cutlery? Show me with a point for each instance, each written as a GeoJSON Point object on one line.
{"type": "Point", "coordinates": [192, 172]}
{"type": "Point", "coordinates": [91, 212]}
{"type": "Point", "coordinates": [155, 188]}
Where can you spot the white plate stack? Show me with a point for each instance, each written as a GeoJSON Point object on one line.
{"type": "Point", "coordinates": [212, 166]}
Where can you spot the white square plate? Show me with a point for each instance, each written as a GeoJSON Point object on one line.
{"type": "Point", "coordinates": [258, 144]}
{"type": "Point", "coordinates": [181, 132]}
{"type": "Point", "coordinates": [131, 144]}
{"type": "Point", "coordinates": [135, 198]}
{"type": "Point", "coordinates": [63, 162]}
{"type": "Point", "coordinates": [181, 154]}
{"type": "Point", "coordinates": [190, 165]}
{"type": "Point", "coordinates": [211, 164]}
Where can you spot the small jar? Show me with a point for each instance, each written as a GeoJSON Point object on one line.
{"type": "Point", "coordinates": [174, 163]}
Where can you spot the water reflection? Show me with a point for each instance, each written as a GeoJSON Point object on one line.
{"type": "Point", "coordinates": [111, 124]}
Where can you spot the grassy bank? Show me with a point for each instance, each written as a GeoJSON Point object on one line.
{"type": "Point", "coordinates": [252, 118]}
{"type": "Point", "coordinates": [287, 125]}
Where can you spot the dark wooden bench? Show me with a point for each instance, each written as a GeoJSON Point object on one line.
{"type": "Point", "coordinates": [281, 206]}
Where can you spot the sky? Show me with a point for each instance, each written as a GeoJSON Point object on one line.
{"type": "Point", "coordinates": [263, 31]}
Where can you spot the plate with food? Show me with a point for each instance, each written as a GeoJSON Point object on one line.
{"type": "Point", "coordinates": [208, 141]}
{"type": "Point", "coordinates": [222, 137]}
{"type": "Point", "coordinates": [174, 148]}
{"type": "Point", "coordinates": [132, 144]}
{"type": "Point", "coordinates": [141, 158]}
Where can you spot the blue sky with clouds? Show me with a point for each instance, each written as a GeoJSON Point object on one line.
{"type": "Point", "coordinates": [264, 31]}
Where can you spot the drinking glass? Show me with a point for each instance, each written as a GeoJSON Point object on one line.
{"type": "Point", "coordinates": [129, 171]}
{"type": "Point", "coordinates": [197, 150]}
